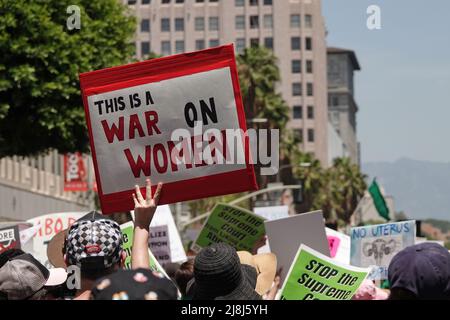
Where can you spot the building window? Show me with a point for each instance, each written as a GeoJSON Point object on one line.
{"type": "Point", "coordinates": [240, 22]}
{"type": "Point", "coordinates": [298, 134]}
{"type": "Point", "coordinates": [240, 45]}
{"type": "Point", "coordinates": [179, 24]}
{"type": "Point", "coordinates": [199, 44]}
{"type": "Point", "coordinates": [200, 1]}
{"type": "Point", "coordinates": [145, 2]}
{"type": "Point", "coordinates": [297, 89]}
{"type": "Point", "coordinates": [309, 66]}
{"type": "Point", "coordinates": [268, 21]}
{"type": "Point", "coordinates": [213, 43]}
{"type": "Point", "coordinates": [131, 2]}
{"type": "Point", "coordinates": [335, 101]}
{"type": "Point", "coordinates": [199, 24]}
{"type": "Point", "coordinates": [254, 42]}
{"type": "Point", "coordinates": [213, 0]}
{"type": "Point", "coordinates": [310, 135]}
{"type": "Point", "coordinates": [179, 46]}
{"type": "Point", "coordinates": [145, 48]}
{"type": "Point", "coordinates": [295, 21]}
{"type": "Point", "coordinates": [298, 112]}
{"type": "Point", "coordinates": [267, 2]}
{"type": "Point", "coordinates": [165, 25]}
{"type": "Point", "coordinates": [310, 112]}
{"type": "Point", "coordinates": [165, 1]}
{"type": "Point", "coordinates": [308, 43]}
{"type": "Point", "coordinates": [253, 2]}
{"type": "Point", "coordinates": [165, 48]}
{"type": "Point", "coordinates": [145, 25]}
{"type": "Point", "coordinates": [295, 43]}
{"type": "Point", "coordinates": [268, 43]}
{"type": "Point", "coordinates": [179, 1]}
{"type": "Point", "coordinates": [296, 66]}
{"type": "Point", "coordinates": [309, 89]}
{"type": "Point", "coordinates": [308, 21]}
{"type": "Point", "coordinates": [213, 23]}
{"type": "Point", "coordinates": [254, 22]}
{"type": "Point", "coordinates": [239, 3]}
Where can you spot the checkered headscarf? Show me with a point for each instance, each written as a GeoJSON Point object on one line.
{"type": "Point", "coordinates": [93, 242]}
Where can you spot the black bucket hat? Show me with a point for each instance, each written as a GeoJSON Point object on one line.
{"type": "Point", "coordinates": [219, 275]}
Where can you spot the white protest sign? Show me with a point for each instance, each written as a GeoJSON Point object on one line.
{"type": "Point", "coordinates": [163, 217]}
{"type": "Point", "coordinates": [159, 244]}
{"type": "Point", "coordinates": [339, 246]}
{"type": "Point", "coordinates": [272, 213]}
{"type": "Point", "coordinates": [376, 245]}
{"type": "Point", "coordinates": [287, 234]}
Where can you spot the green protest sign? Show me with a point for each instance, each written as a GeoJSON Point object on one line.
{"type": "Point", "coordinates": [235, 226]}
{"type": "Point", "coordinates": [128, 232]}
{"type": "Point", "coordinates": [314, 276]}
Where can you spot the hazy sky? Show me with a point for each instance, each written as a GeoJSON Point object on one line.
{"type": "Point", "coordinates": [403, 89]}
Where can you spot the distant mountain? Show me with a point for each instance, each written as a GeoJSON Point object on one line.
{"type": "Point", "coordinates": [420, 188]}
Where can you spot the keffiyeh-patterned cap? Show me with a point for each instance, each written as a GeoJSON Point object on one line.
{"type": "Point", "coordinates": [94, 241]}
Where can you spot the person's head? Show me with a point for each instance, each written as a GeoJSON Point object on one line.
{"type": "Point", "coordinates": [421, 271]}
{"type": "Point", "coordinates": [184, 274]}
{"type": "Point", "coordinates": [139, 284]}
{"type": "Point", "coordinates": [171, 269]}
{"type": "Point", "coordinates": [22, 277]}
{"type": "Point", "coordinates": [219, 275]}
{"type": "Point", "coordinates": [94, 244]}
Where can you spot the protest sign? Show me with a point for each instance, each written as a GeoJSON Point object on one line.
{"type": "Point", "coordinates": [376, 245]}
{"type": "Point", "coordinates": [272, 213]}
{"type": "Point", "coordinates": [314, 276]}
{"type": "Point", "coordinates": [168, 119]}
{"type": "Point", "coordinates": [163, 217]}
{"type": "Point", "coordinates": [159, 244]}
{"type": "Point", "coordinates": [235, 226]}
{"type": "Point", "coordinates": [50, 225]}
{"type": "Point", "coordinates": [128, 233]}
{"type": "Point", "coordinates": [339, 244]}
{"type": "Point", "coordinates": [286, 235]}
{"type": "Point", "coordinates": [75, 176]}
{"type": "Point", "coordinates": [9, 238]}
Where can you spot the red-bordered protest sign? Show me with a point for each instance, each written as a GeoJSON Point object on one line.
{"type": "Point", "coordinates": [75, 177]}
{"type": "Point", "coordinates": [138, 116]}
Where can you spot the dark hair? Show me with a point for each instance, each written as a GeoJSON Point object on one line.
{"type": "Point", "coordinates": [95, 274]}
{"type": "Point", "coordinates": [8, 255]}
{"type": "Point", "coordinates": [184, 274]}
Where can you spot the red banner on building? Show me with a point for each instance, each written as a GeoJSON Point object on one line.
{"type": "Point", "coordinates": [168, 119]}
{"type": "Point", "coordinates": [75, 177]}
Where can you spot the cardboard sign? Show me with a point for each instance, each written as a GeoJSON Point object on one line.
{"type": "Point", "coordinates": [235, 226]}
{"type": "Point", "coordinates": [314, 276]}
{"type": "Point", "coordinates": [75, 177]}
{"type": "Point", "coordinates": [50, 225]}
{"type": "Point", "coordinates": [376, 245]}
{"type": "Point", "coordinates": [128, 233]}
{"type": "Point", "coordinates": [9, 238]}
{"type": "Point", "coordinates": [286, 235]}
{"type": "Point", "coordinates": [163, 217]}
{"type": "Point", "coordinates": [339, 244]}
{"type": "Point", "coordinates": [156, 119]}
{"type": "Point", "coordinates": [272, 213]}
{"type": "Point", "coordinates": [159, 244]}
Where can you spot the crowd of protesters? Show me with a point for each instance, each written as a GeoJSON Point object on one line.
{"type": "Point", "coordinates": [94, 244]}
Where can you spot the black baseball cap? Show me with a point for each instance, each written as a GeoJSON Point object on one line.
{"type": "Point", "coordinates": [423, 270]}
{"type": "Point", "coordinates": [139, 284]}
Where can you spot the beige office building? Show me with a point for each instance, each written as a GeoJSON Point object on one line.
{"type": "Point", "coordinates": [294, 29]}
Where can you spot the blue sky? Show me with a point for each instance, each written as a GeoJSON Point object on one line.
{"type": "Point", "coordinates": [403, 89]}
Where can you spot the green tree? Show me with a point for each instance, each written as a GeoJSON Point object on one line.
{"type": "Point", "coordinates": [40, 60]}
